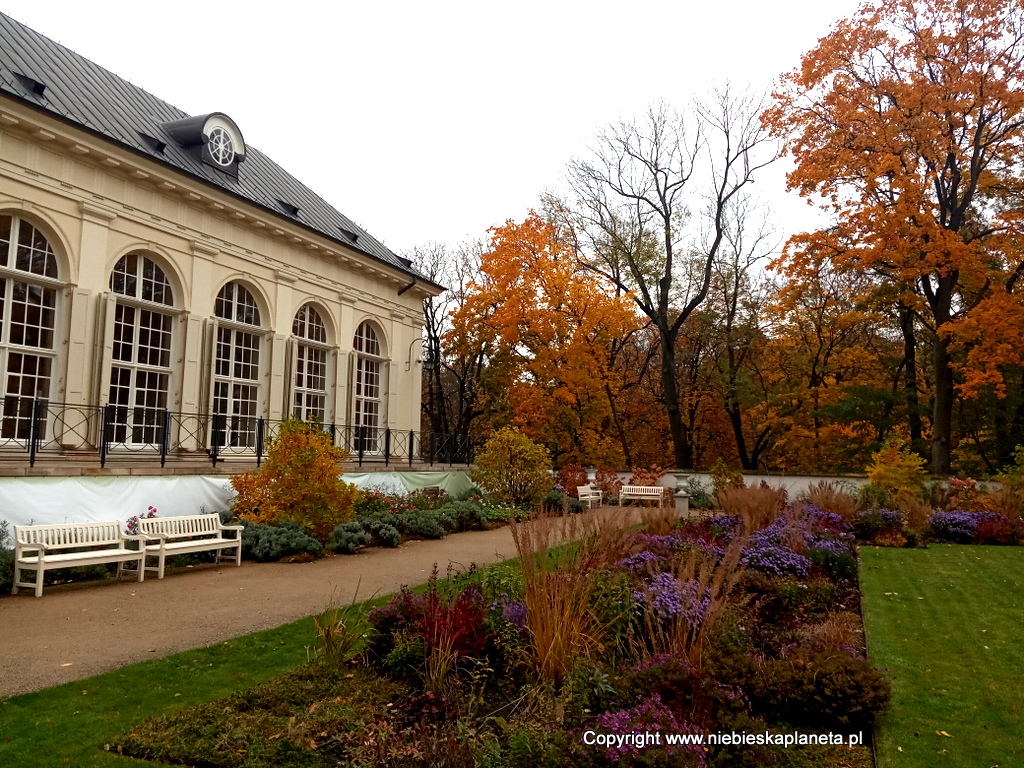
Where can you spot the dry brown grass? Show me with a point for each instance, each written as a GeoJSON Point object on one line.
{"type": "Point", "coordinates": [916, 510]}
{"type": "Point", "coordinates": [558, 584]}
{"type": "Point", "coordinates": [1006, 500]}
{"type": "Point", "coordinates": [792, 535]}
{"type": "Point", "coordinates": [842, 628]}
{"type": "Point", "coordinates": [756, 506]}
{"type": "Point", "coordinates": [830, 497]}
{"type": "Point", "coordinates": [658, 521]}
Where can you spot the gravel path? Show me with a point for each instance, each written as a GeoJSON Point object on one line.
{"type": "Point", "coordinates": [79, 630]}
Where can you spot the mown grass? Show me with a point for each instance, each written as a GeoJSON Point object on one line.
{"type": "Point", "coordinates": [945, 624]}
{"type": "Point", "coordinates": [70, 724]}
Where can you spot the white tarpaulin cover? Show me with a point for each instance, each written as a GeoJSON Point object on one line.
{"type": "Point", "coordinates": [43, 500]}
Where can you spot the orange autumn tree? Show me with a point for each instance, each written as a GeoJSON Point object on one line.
{"type": "Point", "coordinates": [908, 120]}
{"type": "Point", "coordinates": [549, 325]}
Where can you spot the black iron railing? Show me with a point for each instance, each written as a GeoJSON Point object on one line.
{"type": "Point", "coordinates": [32, 429]}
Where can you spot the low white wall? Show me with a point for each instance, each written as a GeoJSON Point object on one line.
{"type": "Point", "coordinates": [42, 500]}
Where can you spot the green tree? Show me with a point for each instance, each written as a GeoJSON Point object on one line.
{"type": "Point", "coordinates": [513, 468]}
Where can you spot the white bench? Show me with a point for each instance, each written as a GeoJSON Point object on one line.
{"type": "Point", "coordinates": [589, 494]}
{"type": "Point", "coordinates": [643, 493]}
{"type": "Point", "coordinates": [187, 534]}
{"type": "Point", "coordinates": [99, 542]}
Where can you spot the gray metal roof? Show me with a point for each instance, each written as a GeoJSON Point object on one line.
{"type": "Point", "coordinates": [87, 95]}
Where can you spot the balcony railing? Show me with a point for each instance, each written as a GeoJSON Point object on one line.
{"type": "Point", "coordinates": [32, 429]}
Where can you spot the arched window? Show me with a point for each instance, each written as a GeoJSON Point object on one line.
{"type": "Point", "coordinates": [236, 373]}
{"type": "Point", "coordinates": [368, 388]}
{"type": "Point", "coordinates": [28, 320]}
{"type": "Point", "coordinates": [140, 372]}
{"type": "Point", "coordinates": [311, 350]}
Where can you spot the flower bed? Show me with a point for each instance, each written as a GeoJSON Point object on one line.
{"type": "Point", "coordinates": [692, 632]}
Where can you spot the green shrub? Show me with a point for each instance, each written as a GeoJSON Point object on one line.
{"type": "Point", "coordinates": [6, 558]}
{"type": "Point", "coordinates": [699, 493]}
{"type": "Point", "coordinates": [384, 533]}
{"type": "Point", "coordinates": [787, 600]}
{"type": "Point", "coordinates": [347, 538]}
{"type": "Point", "coordinates": [467, 514]}
{"type": "Point", "coordinates": [511, 467]}
{"type": "Point", "coordinates": [837, 564]}
{"type": "Point", "coordinates": [420, 522]}
{"type": "Point", "coordinates": [819, 690]}
{"type": "Point", "coordinates": [267, 543]}
{"type": "Point", "coordinates": [471, 493]}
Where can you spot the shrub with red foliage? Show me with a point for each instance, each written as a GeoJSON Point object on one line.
{"type": "Point", "coordinates": [647, 477]}
{"type": "Point", "coordinates": [458, 622]}
{"type": "Point", "coordinates": [570, 477]}
{"type": "Point", "coordinates": [607, 480]}
{"type": "Point", "coordinates": [998, 529]}
{"type": "Point", "coordinates": [438, 618]}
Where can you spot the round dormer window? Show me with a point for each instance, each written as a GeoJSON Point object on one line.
{"type": "Point", "coordinates": [222, 150]}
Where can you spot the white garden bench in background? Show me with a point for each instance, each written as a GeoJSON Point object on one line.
{"type": "Point", "coordinates": [187, 534]}
{"type": "Point", "coordinates": [643, 493]}
{"type": "Point", "coordinates": [589, 495]}
{"type": "Point", "coordinates": [97, 543]}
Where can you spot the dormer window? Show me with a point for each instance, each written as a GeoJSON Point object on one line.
{"type": "Point", "coordinates": [213, 138]}
{"type": "Point", "coordinates": [222, 150]}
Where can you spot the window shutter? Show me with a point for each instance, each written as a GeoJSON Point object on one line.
{"type": "Point", "coordinates": [210, 368]}
{"type": "Point", "coordinates": [385, 394]}
{"type": "Point", "coordinates": [352, 363]}
{"type": "Point", "coordinates": [332, 385]}
{"type": "Point", "coordinates": [291, 360]}
{"type": "Point", "coordinates": [107, 315]}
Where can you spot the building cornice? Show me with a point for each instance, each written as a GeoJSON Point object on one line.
{"type": "Point", "coordinates": [115, 158]}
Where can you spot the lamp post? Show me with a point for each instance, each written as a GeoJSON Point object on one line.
{"type": "Point", "coordinates": [409, 361]}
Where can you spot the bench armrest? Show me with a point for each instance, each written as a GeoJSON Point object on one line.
{"type": "Point", "coordinates": [153, 536]}
{"type": "Point", "coordinates": [139, 537]}
{"type": "Point", "coordinates": [230, 527]}
{"type": "Point", "coordinates": [21, 546]}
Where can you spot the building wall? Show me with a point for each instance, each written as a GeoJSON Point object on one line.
{"type": "Point", "coordinates": [96, 202]}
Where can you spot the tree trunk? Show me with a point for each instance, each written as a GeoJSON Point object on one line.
{"type": "Point", "coordinates": [942, 415]}
{"type": "Point", "coordinates": [670, 391]}
{"type": "Point", "coordinates": [620, 430]}
{"type": "Point", "coordinates": [910, 379]}
{"type": "Point", "coordinates": [736, 418]}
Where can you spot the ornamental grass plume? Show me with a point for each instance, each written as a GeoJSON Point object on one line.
{"type": "Point", "coordinates": [705, 584]}
{"type": "Point", "coordinates": [828, 496]}
{"type": "Point", "coordinates": [559, 579]}
{"type": "Point", "coordinates": [756, 506]}
{"type": "Point", "coordinates": [659, 521]}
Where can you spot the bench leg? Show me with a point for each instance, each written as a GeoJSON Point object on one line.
{"type": "Point", "coordinates": [39, 578]}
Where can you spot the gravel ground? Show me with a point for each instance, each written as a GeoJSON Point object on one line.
{"type": "Point", "coordinates": [78, 630]}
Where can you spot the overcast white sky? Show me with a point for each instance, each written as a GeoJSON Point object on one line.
{"type": "Point", "coordinates": [432, 121]}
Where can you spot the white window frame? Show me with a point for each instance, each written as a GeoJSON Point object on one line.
{"type": "Point", "coordinates": [262, 336]}
{"type": "Point", "coordinates": [374, 444]}
{"type": "Point", "coordinates": [54, 354]}
{"type": "Point", "coordinates": [296, 346]}
{"type": "Point", "coordinates": [139, 305]}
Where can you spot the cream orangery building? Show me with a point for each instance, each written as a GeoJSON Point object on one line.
{"type": "Point", "coordinates": [163, 286]}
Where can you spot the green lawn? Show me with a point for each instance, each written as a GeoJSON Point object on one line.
{"type": "Point", "coordinates": [69, 725]}
{"type": "Point", "coordinates": [947, 624]}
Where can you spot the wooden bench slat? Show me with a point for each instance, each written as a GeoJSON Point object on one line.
{"type": "Point", "coordinates": [187, 534]}
{"type": "Point", "coordinates": [104, 543]}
